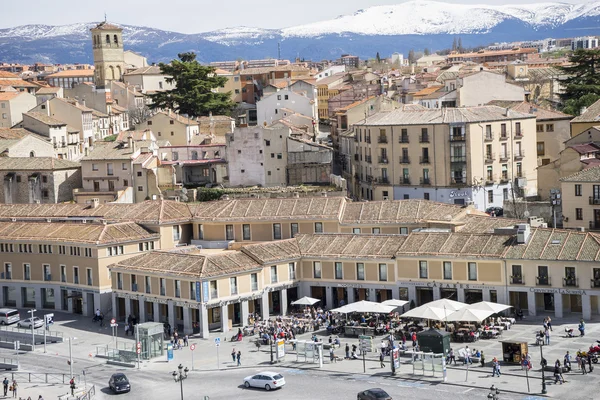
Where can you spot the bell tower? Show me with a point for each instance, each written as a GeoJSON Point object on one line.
{"type": "Point", "coordinates": [109, 63]}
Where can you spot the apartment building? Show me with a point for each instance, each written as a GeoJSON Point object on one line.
{"type": "Point", "coordinates": [587, 119]}
{"type": "Point", "coordinates": [581, 199]}
{"type": "Point", "coordinates": [437, 155]}
{"type": "Point", "coordinates": [484, 56]}
{"type": "Point", "coordinates": [70, 78]}
{"type": "Point", "coordinates": [148, 79]}
{"type": "Point", "coordinates": [12, 107]}
{"type": "Point", "coordinates": [175, 128]}
{"type": "Point", "coordinates": [62, 137]}
{"type": "Point", "coordinates": [20, 142]}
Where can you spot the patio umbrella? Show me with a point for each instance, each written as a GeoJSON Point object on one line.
{"type": "Point", "coordinates": [305, 301]}
{"type": "Point", "coordinates": [395, 303]}
{"type": "Point", "coordinates": [469, 315]}
{"type": "Point", "coordinates": [427, 312]}
{"type": "Point", "coordinates": [449, 305]}
{"type": "Point", "coordinates": [486, 305]}
{"type": "Point", "coordinates": [365, 307]}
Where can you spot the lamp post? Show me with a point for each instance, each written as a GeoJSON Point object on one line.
{"type": "Point", "coordinates": [32, 311]}
{"type": "Point", "coordinates": [271, 344]}
{"type": "Point", "coordinates": [544, 391]}
{"type": "Point", "coordinates": [180, 375]}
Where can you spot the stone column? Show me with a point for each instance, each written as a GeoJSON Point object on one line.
{"type": "Point", "coordinates": [127, 308]}
{"type": "Point", "coordinates": [328, 297]}
{"type": "Point", "coordinates": [372, 296]}
{"type": "Point", "coordinates": [142, 309]}
{"type": "Point", "coordinates": [486, 294]}
{"type": "Point", "coordinates": [97, 302]}
{"type": "Point", "coordinates": [187, 321]}
{"type": "Point", "coordinates": [156, 311]}
{"type": "Point", "coordinates": [171, 312]}
{"type": "Point", "coordinates": [264, 306]}
{"type": "Point", "coordinates": [113, 305]}
{"type": "Point", "coordinates": [19, 290]}
{"type": "Point", "coordinates": [350, 291]}
{"type": "Point", "coordinates": [460, 294]}
{"type": "Point", "coordinates": [412, 295]}
{"type": "Point", "coordinates": [531, 304]}
{"type": "Point", "coordinates": [225, 318]}
{"type": "Point", "coordinates": [245, 312]}
{"type": "Point", "coordinates": [283, 300]}
{"type": "Point", "coordinates": [58, 300]}
{"type": "Point", "coordinates": [204, 332]}
{"type": "Point", "coordinates": [586, 307]}
{"type": "Point", "coordinates": [437, 293]}
{"type": "Point", "coordinates": [558, 305]}
{"type": "Point", "coordinates": [38, 298]}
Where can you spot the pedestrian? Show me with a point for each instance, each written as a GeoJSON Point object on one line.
{"type": "Point", "coordinates": [331, 355]}
{"type": "Point", "coordinates": [558, 373]}
{"type": "Point", "coordinates": [578, 360]}
{"type": "Point", "coordinates": [233, 354]}
{"type": "Point", "coordinates": [589, 361]}
{"type": "Point", "coordinates": [467, 356]}
{"type": "Point", "coordinates": [567, 362]}
{"type": "Point", "coordinates": [482, 359]}
{"type": "Point", "coordinates": [72, 385]}
{"type": "Point", "coordinates": [414, 339]}
{"type": "Point", "coordinates": [347, 351]}
{"type": "Point", "coordinates": [495, 367]}
{"type": "Point", "coordinates": [186, 339]}
{"type": "Point", "coordinates": [581, 327]}
{"type": "Point", "coordinates": [239, 355]}
{"type": "Point", "coordinates": [381, 358]}
{"type": "Point", "coordinates": [583, 365]}
{"type": "Point", "coordinates": [545, 324]}
{"type": "Point", "coordinates": [547, 336]}
{"type": "Point", "coordinates": [5, 383]}
{"type": "Point", "coordinates": [549, 323]}
{"type": "Point", "coordinates": [40, 398]}
{"type": "Point", "coordinates": [451, 357]}
{"type": "Point", "coordinates": [14, 387]}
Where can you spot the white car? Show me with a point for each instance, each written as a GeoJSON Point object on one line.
{"type": "Point", "coordinates": [265, 380]}
{"type": "Point", "coordinates": [26, 323]}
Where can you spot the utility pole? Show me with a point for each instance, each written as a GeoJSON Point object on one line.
{"type": "Point", "coordinates": [70, 358]}
{"type": "Point", "coordinates": [33, 310]}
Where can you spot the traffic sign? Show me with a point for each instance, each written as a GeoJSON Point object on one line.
{"type": "Point", "coordinates": [192, 347]}
{"type": "Point", "coordinates": [113, 321]}
{"type": "Point", "coordinates": [139, 351]}
{"type": "Point", "coordinates": [114, 325]}
{"type": "Point", "coordinates": [217, 340]}
{"type": "Point", "coordinates": [138, 345]}
{"type": "Point", "coordinates": [217, 344]}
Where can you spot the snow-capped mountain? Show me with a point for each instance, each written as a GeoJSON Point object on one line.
{"type": "Point", "coordinates": [414, 24]}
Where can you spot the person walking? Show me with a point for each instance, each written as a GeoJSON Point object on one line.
{"type": "Point", "coordinates": [581, 327]}
{"type": "Point", "coordinates": [547, 336]}
{"type": "Point", "coordinates": [467, 356]}
{"type": "Point", "coordinates": [14, 387]}
{"type": "Point", "coordinates": [589, 361]}
{"type": "Point", "coordinates": [381, 358]}
{"type": "Point", "coordinates": [495, 367]}
{"type": "Point", "coordinates": [549, 322]}
{"type": "Point", "coordinates": [239, 355]}
{"type": "Point", "coordinates": [558, 373]}
{"type": "Point", "coordinates": [5, 384]}
{"type": "Point", "coordinates": [72, 385]}
{"type": "Point", "coordinates": [482, 359]}
{"type": "Point", "coordinates": [578, 360]}
{"type": "Point", "coordinates": [331, 354]}
{"type": "Point", "coordinates": [186, 339]}
{"type": "Point", "coordinates": [567, 362]}
{"type": "Point", "coordinates": [233, 354]}
{"type": "Point", "coordinates": [583, 365]}
{"type": "Point", "coordinates": [451, 357]}
{"type": "Point", "coordinates": [347, 351]}
{"type": "Point", "coordinates": [414, 339]}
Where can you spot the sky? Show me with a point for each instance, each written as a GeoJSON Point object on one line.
{"type": "Point", "coordinates": [189, 16]}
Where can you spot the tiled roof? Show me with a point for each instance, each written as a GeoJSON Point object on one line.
{"type": "Point", "coordinates": [524, 107]}
{"type": "Point", "coordinates": [36, 164]}
{"type": "Point", "coordinates": [349, 245]}
{"type": "Point", "coordinates": [92, 233]}
{"type": "Point", "coordinates": [18, 83]}
{"type": "Point", "coordinates": [485, 223]}
{"type": "Point", "coordinates": [8, 75]}
{"type": "Point", "coordinates": [462, 244]}
{"type": "Point", "coordinates": [149, 70]}
{"type": "Point", "coordinates": [591, 174]}
{"type": "Point", "coordinates": [592, 114]}
{"type": "Point", "coordinates": [45, 119]}
{"type": "Point", "coordinates": [273, 251]}
{"type": "Point", "coordinates": [48, 90]}
{"type": "Point", "coordinates": [228, 263]}
{"type": "Point", "coordinates": [72, 73]}
{"type": "Point", "coordinates": [307, 208]}
{"type": "Point", "coordinates": [266, 70]}
{"type": "Point", "coordinates": [5, 96]}
{"type": "Point", "coordinates": [109, 151]}
{"type": "Point", "coordinates": [107, 26]}
{"type": "Point", "coordinates": [177, 117]}
{"type": "Point", "coordinates": [427, 91]}
{"type": "Point", "coordinates": [355, 104]}
{"type": "Point", "coordinates": [551, 244]}
{"type": "Point", "coordinates": [328, 80]}
{"type": "Point", "coordinates": [13, 133]}
{"type": "Point", "coordinates": [394, 212]}
{"type": "Point", "coordinates": [585, 148]}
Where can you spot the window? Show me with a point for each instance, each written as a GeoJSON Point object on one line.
{"type": "Point", "coordinates": [579, 214]}
{"type": "Point", "coordinates": [577, 190]}
{"type": "Point", "coordinates": [229, 232]}
{"type": "Point", "coordinates": [140, 188]}
{"type": "Point", "coordinates": [376, 231]}
{"type": "Point", "coordinates": [539, 128]}
{"type": "Point", "coordinates": [292, 270]}
{"type": "Point", "coordinates": [254, 282]}
{"type": "Point", "coordinates": [276, 231]}
{"type": "Point", "coordinates": [404, 231]}
{"type": "Point", "coordinates": [7, 270]}
{"type": "Point", "coordinates": [124, 166]}
{"type": "Point", "coordinates": [76, 278]}
{"type": "Point", "coordinates": [339, 274]}
{"type": "Point", "coordinates": [274, 274]}
{"type": "Point", "coordinates": [570, 277]}
{"type": "Point", "coordinates": [356, 231]}
{"type": "Point", "coordinates": [163, 286]}
{"type": "Point", "coordinates": [518, 129]}
{"type": "Point", "coordinates": [383, 272]}
{"type": "Point", "coordinates": [88, 276]}
{"type": "Point", "coordinates": [549, 127]}
{"type": "Point", "coordinates": [139, 173]}
{"type": "Point", "coordinates": [318, 227]}
{"type": "Point", "coordinates": [517, 274]}
{"type": "Point", "coordinates": [246, 232]}
{"type": "Point", "coordinates": [447, 270]}
{"type": "Point", "coordinates": [177, 288]}
{"type": "Point", "coordinates": [175, 156]}
{"type": "Point", "coordinates": [109, 169]}
{"type": "Point", "coordinates": [505, 194]}
{"type": "Point", "coordinates": [176, 233]}
{"type": "Point", "coordinates": [360, 271]}
{"type": "Point", "coordinates": [294, 228]}
{"type": "Point", "coordinates": [317, 269]}
{"type": "Point", "coordinates": [213, 289]}
{"type": "Point", "coordinates": [490, 196]}
{"type": "Point", "coordinates": [472, 271]}
{"type": "Point", "coordinates": [27, 272]}
{"type": "Point", "coordinates": [148, 285]}
{"type": "Point", "coordinates": [541, 149]}
{"type": "Point", "coordinates": [426, 196]}
{"type": "Point", "coordinates": [286, 97]}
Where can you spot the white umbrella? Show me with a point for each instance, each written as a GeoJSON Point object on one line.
{"type": "Point", "coordinates": [469, 315]}
{"type": "Point", "coordinates": [305, 301]}
{"type": "Point", "coordinates": [365, 307]}
{"type": "Point", "coordinates": [449, 305]}
{"type": "Point", "coordinates": [427, 312]}
{"type": "Point", "coordinates": [395, 303]}
{"type": "Point", "coordinates": [486, 305]}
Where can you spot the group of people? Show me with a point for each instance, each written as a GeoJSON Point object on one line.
{"type": "Point", "coordinates": [10, 387]}
{"type": "Point", "coordinates": [236, 356]}
{"type": "Point", "coordinates": [178, 341]}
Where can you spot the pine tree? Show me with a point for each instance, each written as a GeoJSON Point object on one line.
{"type": "Point", "coordinates": [411, 56]}
{"type": "Point", "coordinates": [454, 45]}
{"type": "Point", "coordinates": [193, 93]}
{"type": "Point", "coordinates": [378, 58]}
{"type": "Point", "coordinates": [426, 51]}
{"type": "Point", "coordinates": [459, 46]}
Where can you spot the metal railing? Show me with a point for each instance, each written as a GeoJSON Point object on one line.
{"type": "Point", "coordinates": [405, 181]}
{"type": "Point", "coordinates": [571, 282]}
{"type": "Point", "coordinates": [488, 137]}
{"type": "Point", "coordinates": [382, 139]}
{"type": "Point", "coordinates": [424, 139]}
{"type": "Point", "coordinates": [425, 181]}
{"type": "Point", "coordinates": [594, 200]}
{"type": "Point", "coordinates": [383, 160]}
{"type": "Point", "coordinates": [543, 280]}
{"type": "Point", "coordinates": [517, 279]}
{"type": "Point", "coordinates": [489, 158]}
{"type": "Point", "coordinates": [368, 159]}
{"type": "Point", "coordinates": [38, 331]}
{"type": "Point", "coordinates": [595, 283]}
{"type": "Point", "coordinates": [405, 160]}
{"type": "Point", "coordinates": [403, 139]}
{"type": "Point", "coordinates": [424, 159]}
{"type": "Point", "coordinates": [34, 377]}
{"type": "Point", "coordinates": [457, 138]}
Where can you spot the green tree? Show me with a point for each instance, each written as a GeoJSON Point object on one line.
{"type": "Point", "coordinates": [582, 82]}
{"type": "Point", "coordinates": [426, 51]}
{"type": "Point", "coordinates": [411, 56]}
{"type": "Point", "coordinates": [459, 45]}
{"type": "Point", "coordinates": [378, 58]}
{"type": "Point", "coordinates": [454, 45]}
{"type": "Point", "coordinates": [193, 93]}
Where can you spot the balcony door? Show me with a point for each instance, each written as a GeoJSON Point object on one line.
{"type": "Point", "coordinates": [596, 219]}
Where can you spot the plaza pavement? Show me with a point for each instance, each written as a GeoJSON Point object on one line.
{"type": "Point", "coordinates": [89, 336]}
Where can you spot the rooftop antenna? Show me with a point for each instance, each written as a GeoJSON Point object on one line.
{"type": "Point", "coordinates": [105, 17]}
{"type": "Point", "coordinates": [279, 50]}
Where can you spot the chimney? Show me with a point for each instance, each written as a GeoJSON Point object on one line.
{"type": "Point", "coordinates": [95, 202]}
{"type": "Point", "coordinates": [583, 110]}
{"type": "Point", "coordinates": [323, 193]}
{"type": "Point", "coordinates": [131, 143]}
{"type": "Point", "coordinates": [523, 232]}
{"type": "Point", "coordinates": [296, 195]}
{"type": "Point", "coordinates": [225, 197]}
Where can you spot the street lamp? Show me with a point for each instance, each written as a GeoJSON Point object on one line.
{"type": "Point", "coordinates": [180, 376]}
{"type": "Point", "coordinates": [494, 392]}
{"type": "Point", "coordinates": [544, 391]}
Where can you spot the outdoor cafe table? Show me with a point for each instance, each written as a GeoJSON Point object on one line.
{"type": "Point", "coordinates": [358, 330]}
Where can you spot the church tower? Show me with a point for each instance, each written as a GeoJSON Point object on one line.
{"type": "Point", "coordinates": [109, 60]}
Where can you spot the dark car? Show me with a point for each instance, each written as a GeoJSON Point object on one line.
{"type": "Point", "coordinates": [119, 383]}
{"type": "Point", "coordinates": [374, 394]}
{"type": "Point", "coordinates": [495, 211]}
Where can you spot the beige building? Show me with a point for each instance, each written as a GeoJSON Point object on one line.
{"type": "Point", "coordinates": [12, 107]}
{"type": "Point", "coordinates": [63, 138]}
{"type": "Point", "coordinates": [109, 62]}
{"type": "Point", "coordinates": [177, 129]}
{"type": "Point", "coordinates": [474, 155]}
{"type": "Point", "coordinates": [233, 85]}
{"type": "Point", "coordinates": [148, 79]}
{"type": "Point", "coordinates": [588, 119]}
{"type": "Point", "coordinates": [20, 142]}
{"type": "Point", "coordinates": [70, 78]}
{"type": "Point", "coordinates": [581, 199]}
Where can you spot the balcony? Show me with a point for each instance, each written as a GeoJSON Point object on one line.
{"type": "Point", "coordinates": [403, 139]}
{"type": "Point", "coordinates": [405, 180]}
{"type": "Point", "coordinates": [517, 280]}
{"type": "Point", "coordinates": [48, 277]}
{"type": "Point", "coordinates": [425, 181]}
{"type": "Point", "coordinates": [519, 155]}
{"type": "Point", "coordinates": [488, 137]}
{"type": "Point", "coordinates": [424, 139]}
{"type": "Point", "coordinates": [595, 283]}
{"type": "Point", "coordinates": [457, 138]}
{"type": "Point", "coordinates": [405, 160]}
{"type": "Point", "coordinates": [489, 158]}
{"type": "Point", "coordinates": [458, 159]}
{"type": "Point", "coordinates": [369, 178]}
{"type": "Point", "coordinates": [424, 159]}
{"type": "Point", "coordinates": [519, 135]}
{"type": "Point", "coordinates": [367, 139]}
{"type": "Point", "coordinates": [504, 179]}
{"type": "Point", "coordinates": [383, 160]}
{"type": "Point", "coordinates": [542, 280]}
{"type": "Point", "coordinates": [119, 284]}
{"type": "Point", "coordinates": [489, 181]}
{"type": "Point", "coordinates": [503, 136]}
{"type": "Point", "coordinates": [384, 180]}
{"type": "Point", "coordinates": [594, 200]}
{"type": "Point", "coordinates": [504, 156]}
{"type": "Point", "coordinates": [570, 282]}
{"type": "Point", "coordinates": [382, 139]}
{"type": "Point", "coordinates": [457, 180]}
{"type": "Point", "coordinates": [368, 159]}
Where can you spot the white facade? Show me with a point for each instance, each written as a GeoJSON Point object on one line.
{"type": "Point", "coordinates": [397, 58]}
{"type": "Point", "coordinates": [334, 69]}
{"type": "Point", "coordinates": [482, 87]}
{"type": "Point", "coordinates": [305, 88]}
{"type": "Point", "coordinates": [268, 109]}
{"type": "Point", "coordinates": [12, 107]}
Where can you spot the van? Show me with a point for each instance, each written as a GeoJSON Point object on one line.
{"type": "Point", "coordinates": [9, 316]}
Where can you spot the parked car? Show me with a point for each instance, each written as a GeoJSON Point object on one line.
{"type": "Point", "coordinates": [265, 380]}
{"type": "Point", "coordinates": [119, 383]}
{"type": "Point", "coordinates": [495, 211]}
{"type": "Point", "coordinates": [26, 323]}
{"type": "Point", "coordinates": [9, 316]}
{"type": "Point", "coordinates": [374, 394]}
